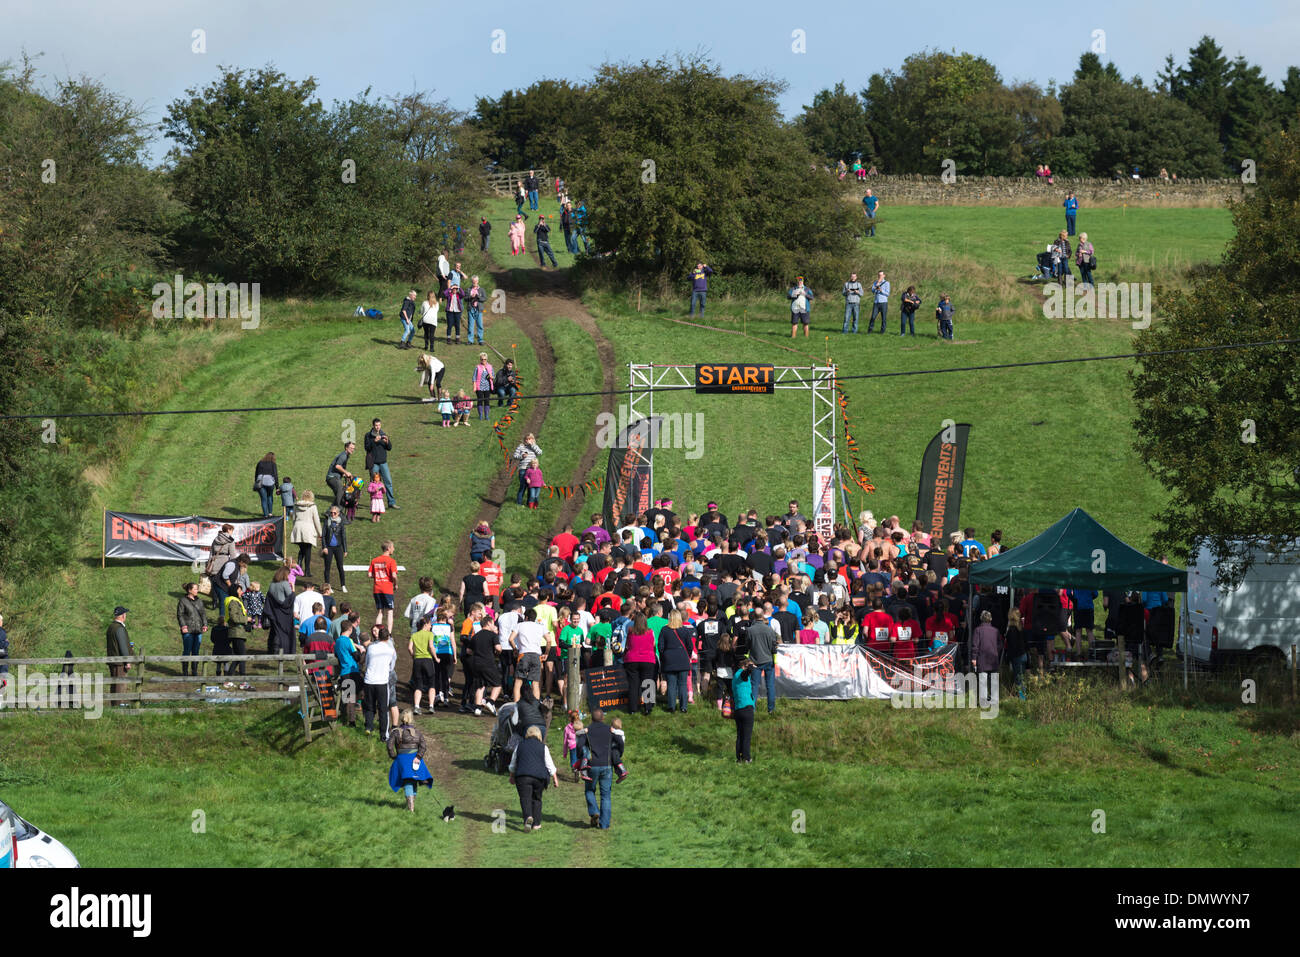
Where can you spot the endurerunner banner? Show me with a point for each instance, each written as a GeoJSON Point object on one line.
{"type": "Point", "coordinates": [188, 538]}
{"type": "Point", "coordinates": [823, 517]}
{"type": "Point", "coordinates": [841, 672]}
{"type": "Point", "coordinates": [627, 476]}
{"type": "Point", "coordinates": [938, 498]}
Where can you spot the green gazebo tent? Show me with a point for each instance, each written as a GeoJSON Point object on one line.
{"type": "Point", "coordinates": [1078, 552]}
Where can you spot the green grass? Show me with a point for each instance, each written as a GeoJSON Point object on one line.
{"type": "Point", "coordinates": [1211, 786]}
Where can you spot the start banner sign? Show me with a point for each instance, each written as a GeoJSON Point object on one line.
{"type": "Point", "coordinates": [733, 377]}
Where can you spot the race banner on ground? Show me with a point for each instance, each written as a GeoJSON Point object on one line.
{"type": "Point", "coordinates": [938, 497]}
{"type": "Point", "coordinates": [627, 476]}
{"type": "Point", "coordinates": [842, 672]}
{"type": "Point", "coordinates": [188, 538]}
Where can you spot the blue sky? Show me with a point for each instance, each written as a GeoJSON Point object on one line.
{"type": "Point", "coordinates": [143, 49]}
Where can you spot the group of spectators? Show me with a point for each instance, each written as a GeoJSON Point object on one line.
{"type": "Point", "coordinates": [1054, 261]}
{"type": "Point", "coordinates": [573, 221]}
{"type": "Point", "coordinates": [801, 296]}
{"type": "Point", "coordinates": [461, 295]}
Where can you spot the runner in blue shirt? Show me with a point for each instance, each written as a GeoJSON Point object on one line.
{"type": "Point", "coordinates": [969, 544]}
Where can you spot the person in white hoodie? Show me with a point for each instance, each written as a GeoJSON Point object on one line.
{"type": "Point", "coordinates": [306, 528]}
{"type": "Point", "coordinates": [444, 274]}
{"type": "Point", "coordinates": [429, 319]}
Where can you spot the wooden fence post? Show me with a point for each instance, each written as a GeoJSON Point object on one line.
{"type": "Point", "coordinates": [305, 702]}
{"type": "Point", "coordinates": [574, 678]}
{"type": "Point", "coordinates": [1293, 688]}
{"type": "Point", "coordinates": [139, 684]}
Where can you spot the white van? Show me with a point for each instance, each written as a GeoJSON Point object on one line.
{"type": "Point", "coordinates": [1260, 618]}
{"type": "Point", "coordinates": [8, 840]}
{"type": "Point", "coordinates": [32, 847]}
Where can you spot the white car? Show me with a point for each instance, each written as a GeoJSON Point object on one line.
{"type": "Point", "coordinates": [32, 846]}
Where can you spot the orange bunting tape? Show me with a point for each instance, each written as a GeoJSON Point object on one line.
{"type": "Point", "coordinates": [503, 423]}
{"type": "Point", "coordinates": [568, 491]}
{"type": "Point", "coordinates": [859, 475]}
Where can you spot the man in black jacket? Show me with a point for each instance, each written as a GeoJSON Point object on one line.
{"type": "Point", "coordinates": [543, 234]}
{"type": "Point", "coordinates": [378, 445]}
{"type": "Point", "coordinates": [606, 749]}
{"type": "Point", "coordinates": [530, 186]}
{"type": "Point", "coordinates": [484, 233]}
{"type": "Point", "coordinates": [118, 646]}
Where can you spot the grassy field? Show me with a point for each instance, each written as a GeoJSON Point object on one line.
{"type": "Point", "coordinates": [1189, 781]}
{"type": "Point", "coordinates": [872, 786]}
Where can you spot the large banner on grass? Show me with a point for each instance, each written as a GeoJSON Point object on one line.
{"type": "Point", "coordinates": [187, 538]}
{"type": "Point", "coordinates": [938, 498]}
{"type": "Point", "coordinates": [840, 672]}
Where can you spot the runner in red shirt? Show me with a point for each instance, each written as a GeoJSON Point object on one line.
{"type": "Point", "coordinates": [608, 600]}
{"type": "Point", "coordinates": [878, 627]}
{"type": "Point", "coordinates": [383, 572]}
{"type": "Point", "coordinates": [494, 575]}
{"type": "Point", "coordinates": [906, 634]}
{"type": "Point", "coordinates": [566, 542]}
{"type": "Point", "coordinates": [941, 627]}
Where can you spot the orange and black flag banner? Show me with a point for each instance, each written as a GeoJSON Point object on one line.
{"type": "Point", "coordinates": [568, 491]}
{"type": "Point", "coordinates": [859, 475]}
{"type": "Point", "coordinates": [503, 423]}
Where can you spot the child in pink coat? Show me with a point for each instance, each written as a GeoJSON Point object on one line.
{"type": "Point", "coordinates": [533, 479]}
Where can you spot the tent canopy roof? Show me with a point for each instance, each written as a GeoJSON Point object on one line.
{"type": "Point", "coordinates": [1078, 552]}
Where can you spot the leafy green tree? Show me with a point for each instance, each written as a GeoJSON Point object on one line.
{"type": "Point", "coordinates": [78, 205]}
{"type": "Point", "coordinates": [82, 224]}
{"type": "Point", "coordinates": [686, 164]}
{"type": "Point", "coordinates": [1221, 430]}
{"type": "Point", "coordinates": [1253, 115]}
{"type": "Point", "coordinates": [942, 106]}
{"type": "Point", "coordinates": [920, 115]}
{"type": "Point", "coordinates": [1289, 99]}
{"type": "Point", "coordinates": [1111, 125]}
{"type": "Point", "coordinates": [1203, 83]}
{"type": "Point", "coordinates": [524, 129]}
{"type": "Point", "coordinates": [283, 191]}
{"type": "Point", "coordinates": [835, 125]}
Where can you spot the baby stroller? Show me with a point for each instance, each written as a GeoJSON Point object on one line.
{"type": "Point", "coordinates": [501, 746]}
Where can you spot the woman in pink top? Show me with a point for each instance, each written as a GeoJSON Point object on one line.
{"type": "Point", "coordinates": [641, 661]}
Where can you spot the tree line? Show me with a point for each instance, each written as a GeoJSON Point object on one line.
{"type": "Point", "coordinates": [1202, 118]}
